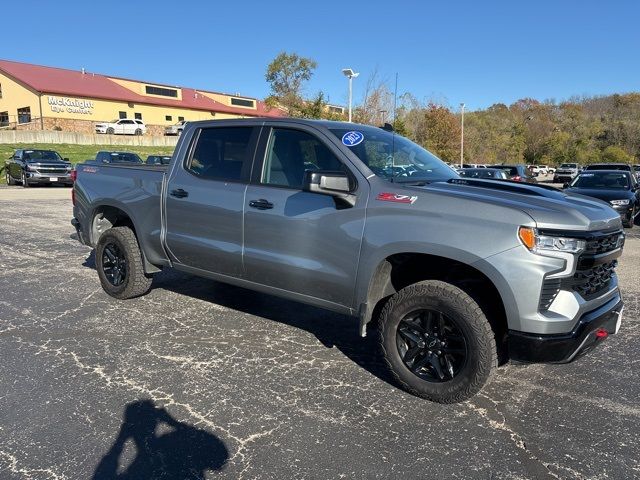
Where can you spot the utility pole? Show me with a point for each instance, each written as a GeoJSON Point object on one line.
{"type": "Point", "coordinates": [461, 134]}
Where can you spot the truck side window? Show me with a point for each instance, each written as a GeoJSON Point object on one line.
{"type": "Point", "coordinates": [290, 153]}
{"type": "Point", "coordinates": [220, 153]}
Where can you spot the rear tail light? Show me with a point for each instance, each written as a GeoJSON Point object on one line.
{"type": "Point", "coordinates": [73, 196]}
{"type": "Point", "coordinates": [517, 178]}
{"type": "Point", "coordinates": [74, 175]}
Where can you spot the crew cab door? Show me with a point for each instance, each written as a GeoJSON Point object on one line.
{"type": "Point", "coordinates": [204, 200]}
{"type": "Point", "coordinates": [302, 242]}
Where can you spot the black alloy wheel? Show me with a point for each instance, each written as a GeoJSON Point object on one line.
{"type": "Point", "coordinates": [431, 345]}
{"type": "Point", "coordinates": [114, 264]}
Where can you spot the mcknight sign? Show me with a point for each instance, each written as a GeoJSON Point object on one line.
{"type": "Point", "coordinates": [70, 105]}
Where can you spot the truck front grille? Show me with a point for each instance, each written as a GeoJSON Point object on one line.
{"type": "Point", "coordinates": [592, 281]}
{"type": "Point", "coordinates": [603, 244]}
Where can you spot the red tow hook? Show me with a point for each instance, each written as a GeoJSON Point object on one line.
{"type": "Point", "coordinates": [601, 333]}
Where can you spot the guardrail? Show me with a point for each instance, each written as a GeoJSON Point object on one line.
{"type": "Point", "coordinates": [74, 138]}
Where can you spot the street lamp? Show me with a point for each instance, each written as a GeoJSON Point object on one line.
{"type": "Point", "coordinates": [384, 115]}
{"type": "Point", "coordinates": [461, 134]}
{"type": "Point", "coordinates": [350, 74]}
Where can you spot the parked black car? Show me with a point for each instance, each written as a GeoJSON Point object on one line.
{"type": "Point", "coordinates": [609, 166]}
{"type": "Point", "coordinates": [116, 157]}
{"type": "Point", "coordinates": [618, 187]}
{"type": "Point", "coordinates": [44, 167]}
{"type": "Point", "coordinates": [489, 173]}
{"type": "Point", "coordinates": [518, 173]}
{"type": "Point", "coordinates": [158, 159]}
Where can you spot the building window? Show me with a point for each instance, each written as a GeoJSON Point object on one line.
{"type": "Point", "coordinates": [242, 102]}
{"type": "Point", "coordinates": [24, 115]}
{"type": "Point", "coordinates": [168, 118]}
{"type": "Point", "coordinates": [181, 119]}
{"type": "Point", "coordinates": [333, 109]}
{"type": "Point", "coordinates": [138, 116]}
{"type": "Point", "coordinates": [122, 115]}
{"type": "Point", "coordinates": [164, 92]}
{"type": "Point", "coordinates": [4, 119]}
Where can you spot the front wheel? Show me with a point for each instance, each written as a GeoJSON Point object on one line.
{"type": "Point", "coordinates": [25, 181]}
{"type": "Point", "coordinates": [119, 264]}
{"type": "Point", "coordinates": [110, 131]}
{"type": "Point", "coordinates": [9, 178]}
{"type": "Point", "coordinates": [437, 342]}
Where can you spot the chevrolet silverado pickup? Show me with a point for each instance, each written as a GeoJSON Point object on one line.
{"type": "Point", "coordinates": [459, 274]}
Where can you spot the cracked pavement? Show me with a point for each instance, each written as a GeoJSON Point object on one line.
{"type": "Point", "coordinates": [258, 387]}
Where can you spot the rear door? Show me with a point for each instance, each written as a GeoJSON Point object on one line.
{"type": "Point", "coordinates": [302, 242]}
{"type": "Point", "coordinates": [204, 201]}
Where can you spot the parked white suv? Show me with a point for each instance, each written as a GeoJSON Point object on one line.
{"type": "Point", "coordinates": [175, 129]}
{"type": "Point", "coordinates": [122, 127]}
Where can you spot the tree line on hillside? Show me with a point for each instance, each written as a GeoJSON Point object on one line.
{"type": "Point", "coordinates": [581, 129]}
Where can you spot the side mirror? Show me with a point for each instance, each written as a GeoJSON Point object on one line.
{"type": "Point", "coordinates": [566, 185]}
{"type": "Point", "coordinates": [333, 183]}
{"type": "Point", "coordinates": [65, 159]}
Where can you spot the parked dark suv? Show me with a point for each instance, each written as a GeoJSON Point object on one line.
{"type": "Point", "coordinates": [517, 173]}
{"type": "Point", "coordinates": [45, 167]}
{"type": "Point", "coordinates": [116, 157]}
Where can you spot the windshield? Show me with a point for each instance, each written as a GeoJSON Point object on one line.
{"type": "Point", "coordinates": [569, 165]}
{"type": "Point", "coordinates": [393, 157]}
{"type": "Point", "coordinates": [125, 157]}
{"type": "Point", "coordinates": [603, 180]}
{"type": "Point", "coordinates": [41, 155]}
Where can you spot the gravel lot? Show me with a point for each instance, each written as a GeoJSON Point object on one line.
{"type": "Point", "coordinates": [250, 386]}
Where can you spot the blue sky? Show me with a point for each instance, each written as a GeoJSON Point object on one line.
{"type": "Point", "coordinates": [475, 52]}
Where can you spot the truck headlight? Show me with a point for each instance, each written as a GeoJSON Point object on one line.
{"type": "Point", "coordinates": [30, 168]}
{"type": "Point", "coordinates": [545, 243]}
{"type": "Point", "coordinates": [619, 202]}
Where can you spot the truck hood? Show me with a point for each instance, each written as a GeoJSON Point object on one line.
{"type": "Point", "coordinates": [549, 207]}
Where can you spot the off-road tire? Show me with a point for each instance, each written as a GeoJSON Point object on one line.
{"type": "Point", "coordinates": [482, 356]}
{"type": "Point", "coordinates": [136, 282]}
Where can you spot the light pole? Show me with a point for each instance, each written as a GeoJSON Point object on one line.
{"type": "Point", "coordinates": [384, 115]}
{"type": "Point", "coordinates": [461, 134]}
{"type": "Point", "coordinates": [350, 74]}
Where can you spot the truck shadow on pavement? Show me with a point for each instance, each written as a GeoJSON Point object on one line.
{"type": "Point", "coordinates": [164, 447]}
{"type": "Point", "coordinates": [330, 328]}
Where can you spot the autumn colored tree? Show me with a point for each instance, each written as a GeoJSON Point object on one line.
{"type": "Point", "coordinates": [287, 75]}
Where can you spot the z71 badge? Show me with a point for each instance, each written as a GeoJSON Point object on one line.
{"type": "Point", "coordinates": [394, 197]}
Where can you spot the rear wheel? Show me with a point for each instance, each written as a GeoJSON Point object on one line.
{"type": "Point", "coordinates": [138, 132]}
{"type": "Point", "coordinates": [119, 264]}
{"type": "Point", "coordinates": [437, 342]}
{"type": "Point", "coordinates": [9, 178]}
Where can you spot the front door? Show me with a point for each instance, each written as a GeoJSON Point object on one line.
{"type": "Point", "coordinates": [205, 196]}
{"type": "Point", "coordinates": [298, 241]}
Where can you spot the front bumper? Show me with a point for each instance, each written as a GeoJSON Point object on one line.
{"type": "Point", "coordinates": [591, 329]}
{"type": "Point", "coordinates": [37, 177]}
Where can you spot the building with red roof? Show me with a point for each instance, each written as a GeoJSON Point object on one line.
{"type": "Point", "coordinates": [48, 98]}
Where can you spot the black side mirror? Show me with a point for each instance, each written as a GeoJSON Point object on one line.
{"type": "Point", "coordinates": [566, 185]}
{"type": "Point", "coordinates": [65, 159]}
{"type": "Point", "coordinates": [333, 183]}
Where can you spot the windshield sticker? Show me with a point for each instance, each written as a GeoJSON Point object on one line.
{"type": "Point", "coordinates": [353, 138]}
{"type": "Point", "coordinates": [397, 198]}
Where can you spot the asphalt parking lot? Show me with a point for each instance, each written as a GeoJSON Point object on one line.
{"type": "Point", "coordinates": [242, 385]}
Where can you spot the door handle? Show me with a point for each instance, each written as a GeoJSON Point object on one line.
{"type": "Point", "coordinates": [179, 193]}
{"type": "Point", "coordinates": [261, 204]}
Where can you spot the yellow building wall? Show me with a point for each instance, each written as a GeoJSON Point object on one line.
{"type": "Point", "coordinates": [107, 110]}
{"type": "Point", "coordinates": [15, 96]}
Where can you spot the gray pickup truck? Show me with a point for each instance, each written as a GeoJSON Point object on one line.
{"type": "Point", "coordinates": [460, 275]}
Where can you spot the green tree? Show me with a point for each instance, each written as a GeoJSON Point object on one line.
{"type": "Point", "coordinates": [615, 154]}
{"type": "Point", "coordinates": [286, 75]}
